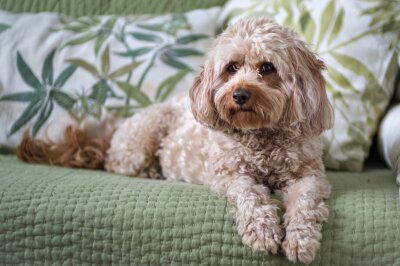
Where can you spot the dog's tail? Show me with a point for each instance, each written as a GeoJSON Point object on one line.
{"type": "Point", "coordinates": [78, 149]}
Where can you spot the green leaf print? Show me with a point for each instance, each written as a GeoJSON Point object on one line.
{"type": "Point", "coordinates": [125, 69]}
{"type": "Point", "coordinates": [147, 37]}
{"type": "Point", "coordinates": [65, 75]}
{"type": "Point", "coordinates": [356, 66]}
{"type": "Point", "coordinates": [121, 110]}
{"type": "Point", "coordinates": [164, 51]}
{"type": "Point", "coordinates": [135, 94]}
{"type": "Point", "coordinates": [374, 92]}
{"type": "Point", "coordinates": [27, 74]}
{"type": "Point", "coordinates": [19, 97]}
{"type": "Point", "coordinates": [167, 86]}
{"type": "Point", "coordinates": [81, 39]}
{"type": "Point", "coordinates": [105, 60]}
{"type": "Point", "coordinates": [84, 65]}
{"type": "Point", "coordinates": [337, 26]}
{"type": "Point", "coordinates": [84, 107]}
{"type": "Point", "coordinates": [175, 23]}
{"type": "Point", "coordinates": [336, 94]}
{"type": "Point", "coordinates": [186, 39]}
{"type": "Point", "coordinates": [158, 48]}
{"type": "Point", "coordinates": [99, 92]}
{"type": "Point", "coordinates": [43, 93]}
{"type": "Point", "coordinates": [183, 52]}
{"type": "Point", "coordinates": [4, 27]}
{"type": "Point", "coordinates": [88, 29]}
{"type": "Point", "coordinates": [100, 40]}
{"type": "Point", "coordinates": [102, 89]}
{"type": "Point", "coordinates": [109, 24]}
{"type": "Point", "coordinates": [287, 5]}
{"type": "Point", "coordinates": [307, 25]}
{"type": "Point", "coordinates": [29, 112]}
{"type": "Point", "coordinates": [341, 80]}
{"type": "Point", "coordinates": [357, 132]}
{"type": "Point", "coordinates": [135, 52]}
{"type": "Point", "coordinates": [386, 15]}
{"type": "Point", "coordinates": [63, 99]}
{"type": "Point", "coordinates": [173, 62]}
{"type": "Point", "coordinates": [44, 114]}
{"type": "Point", "coordinates": [47, 70]}
{"type": "Point", "coordinates": [326, 19]}
{"type": "Point", "coordinates": [151, 27]}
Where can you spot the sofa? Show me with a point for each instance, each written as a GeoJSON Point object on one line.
{"type": "Point", "coordinates": [55, 215]}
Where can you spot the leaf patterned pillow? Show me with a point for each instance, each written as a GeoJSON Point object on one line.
{"type": "Point", "coordinates": [58, 71]}
{"type": "Point", "coordinates": [357, 41]}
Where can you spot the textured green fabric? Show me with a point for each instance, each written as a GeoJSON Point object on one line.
{"type": "Point", "coordinates": [103, 7]}
{"type": "Point", "coordinates": [53, 215]}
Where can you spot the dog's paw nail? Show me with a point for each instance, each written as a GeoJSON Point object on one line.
{"type": "Point", "coordinates": [300, 247]}
{"type": "Point", "coordinates": [263, 236]}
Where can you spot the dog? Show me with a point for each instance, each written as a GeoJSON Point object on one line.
{"type": "Point", "coordinates": [250, 127]}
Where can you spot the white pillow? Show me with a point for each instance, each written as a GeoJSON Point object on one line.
{"type": "Point", "coordinates": [389, 139]}
{"type": "Point", "coordinates": [58, 71]}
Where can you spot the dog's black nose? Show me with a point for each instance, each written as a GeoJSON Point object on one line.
{"type": "Point", "coordinates": [241, 96]}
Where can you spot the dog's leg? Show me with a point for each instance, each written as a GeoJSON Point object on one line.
{"type": "Point", "coordinates": [256, 213]}
{"type": "Point", "coordinates": [134, 145]}
{"type": "Point", "coordinates": [305, 213]}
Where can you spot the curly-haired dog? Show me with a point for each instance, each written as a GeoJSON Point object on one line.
{"type": "Point", "coordinates": [257, 110]}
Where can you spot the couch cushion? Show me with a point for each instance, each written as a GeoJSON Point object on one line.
{"type": "Point", "coordinates": [51, 214]}
{"type": "Point", "coordinates": [102, 7]}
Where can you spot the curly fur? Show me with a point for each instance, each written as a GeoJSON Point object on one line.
{"type": "Point", "coordinates": [245, 153]}
{"type": "Point", "coordinates": [83, 147]}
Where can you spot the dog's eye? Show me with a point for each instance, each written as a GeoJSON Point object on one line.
{"type": "Point", "coordinates": [232, 68]}
{"type": "Point", "coordinates": [266, 68]}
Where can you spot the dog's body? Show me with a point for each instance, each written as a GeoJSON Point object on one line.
{"type": "Point", "coordinates": [250, 127]}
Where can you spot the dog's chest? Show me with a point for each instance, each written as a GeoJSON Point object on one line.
{"type": "Point", "coordinates": [272, 165]}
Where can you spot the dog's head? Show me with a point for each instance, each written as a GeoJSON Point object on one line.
{"type": "Point", "coordinates": [261, 75]}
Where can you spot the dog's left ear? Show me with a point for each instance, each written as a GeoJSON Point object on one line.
{"type": "Point", "coordinates": [201, 98]}
{"type": "Point", "coordinates": [309, 102]}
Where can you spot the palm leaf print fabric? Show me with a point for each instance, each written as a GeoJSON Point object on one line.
{"type": "Point", "coordinates": [63, 70]}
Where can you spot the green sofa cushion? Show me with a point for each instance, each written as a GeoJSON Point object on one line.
{"type": "Point", "coordinates": [52, 215]}
{"type": "Point", "coordinates": [102, 7]}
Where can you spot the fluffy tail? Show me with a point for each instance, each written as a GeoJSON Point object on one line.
{"type": "Point", "coordinates": [77, 149]}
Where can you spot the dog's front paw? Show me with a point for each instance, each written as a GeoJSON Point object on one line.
{"type": "Point", "coordinates": [263, 234]}
{"type": "Point", "coordinates": [301, 243]}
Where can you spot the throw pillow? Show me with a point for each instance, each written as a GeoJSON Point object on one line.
{"type": "Point", "coordinates": [58, 70]}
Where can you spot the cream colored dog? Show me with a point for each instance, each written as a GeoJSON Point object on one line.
{"type": "Point", "coordinates": [257, 110]}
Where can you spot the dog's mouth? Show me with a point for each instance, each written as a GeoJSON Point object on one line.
{"type": "Point", "coordinates": [245, 118]}
{"type": "Point", "coordinates": [244, 109]}
{"type": "Point", "coordinates": [233, 111]}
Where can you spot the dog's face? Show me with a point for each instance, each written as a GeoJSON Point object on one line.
{"type": "Point", "coordinates": [260, 75]}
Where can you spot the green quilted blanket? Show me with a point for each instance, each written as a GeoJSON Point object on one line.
{"type": "Point", "coordinates": [50, 215]}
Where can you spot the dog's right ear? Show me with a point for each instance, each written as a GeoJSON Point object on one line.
{"type": "Point", "coordinates": [309, 102]}
{"type": "Point", "coordinates": [201, 99]}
